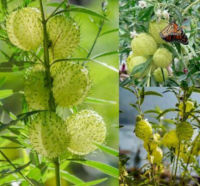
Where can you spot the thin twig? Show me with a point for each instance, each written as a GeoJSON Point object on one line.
{"type": "Point", "coordinates": [17, 170]}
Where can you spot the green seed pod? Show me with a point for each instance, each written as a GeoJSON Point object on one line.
{"type": "Point", "coordinates": [155, 28]}
{"type": "Point", "coordinates": [143, 45]}
{"type": "Point", "coordinates": [71, 83]}
{"type": "Point", "coordinates": [156, 156]}
{"type": "Point", "coordinates": [152, 143]}
{"type": "Point", "coordinates": [48, 134]}
{"type": "Point", "coordinates": [135, 61]}
{"type": "Point", "coordinates": [189, 107]}
{"type": "Point", "coordinates": [35, 88]}
{"type": "Point", "coordinates": [170, 139]}
{"type": "Point", "coordinates": [162, 58]}
{"type": "Point", "coordinates": [24, 28]}
{"type": "Point", "coordinates": [184, 131]}
{"type": "Point", "coordinates": [143, 130]}
{"type": "Point", "coordinates": [64, 36]}
{"type": "Point", "coordinates": [85, 129]}
{"type": "Point", "coordinates": [159, 76]}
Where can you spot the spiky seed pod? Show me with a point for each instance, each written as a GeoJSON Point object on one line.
{"type": "Point", "coordinates": [157, 74]}
{"type": "Point", "coordinates": [35, 88]}
{"type": "Point", "coordinates": [156, 156]}
{"type": "Point", "coordinates": [184, 131]}
{"type": "Point", "coordinates": [155, 28]}
{"type": "Point", "coordinates": [85, 129]}
{"type": "Point", "coordinates": [152, 143]}
{"type": "Point", "coordinates": [71, 84]}
{"type": "Point", "coordinates": [24, 28]}
{"type": "Point", "coordinates": [170, 139]}
{"type": "Point", "coordinates": [64, 35]}
{"type": "Point", "coordinates": [135, 61]}
{"type": "Point", "coordinates": [189, 105]}
{"type": "Point", "coordinates": [143, 130]}
{"type": "Point", "coordinates": [162, 58]}
{"type": "Point", "coordinates": [143, 45]}
{"type": "Point", "coordinates": [48, 134]}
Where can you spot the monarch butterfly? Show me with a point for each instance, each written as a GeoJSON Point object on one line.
{"type": "Point", "coordinates": [172, 33]}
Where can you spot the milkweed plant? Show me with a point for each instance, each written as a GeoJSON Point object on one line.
{"type": "Point", "coordinates": [148, 60]}
{"type": "Point", "coordinates": [56, 126]}
{"type": "Point", "coordinates": [171, 142]}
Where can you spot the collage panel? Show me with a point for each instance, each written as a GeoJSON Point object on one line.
{"type": "Point", "coordinates": [159, 136]}
{"type": "Point", "coordinates": [159, 42]}
{"type": "Point", "coordinates": [58, 117]}
{"type": "Point", "coordinates": [159, 94]}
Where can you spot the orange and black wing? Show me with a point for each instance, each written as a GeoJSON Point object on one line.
{"type": "Point", "coordinates": [173, 33]}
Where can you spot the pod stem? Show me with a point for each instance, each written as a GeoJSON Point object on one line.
{"type": "Point", "coordinates": [57, 171]}
{"type": "Point", "coordinates": [52, 106]}
{"type": "Point", "coordinates": [46, 58]}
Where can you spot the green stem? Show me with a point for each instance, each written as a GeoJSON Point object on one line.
{"type": "Point", "coordinates": [57, 171]}
{"type": "Point", "coordinates": [59, 6]}
{"type": "Point", "coordinates": [179, 145]}
{"type": "Point", "coordinates": [52, 106]}
{"type": "Point", "coordinates": [21, 174]}
{"type": "Point", "coordinates": [97, 36]}
{"type": "Point", "coordinates": [192, 4]}
{"type": "Point", "coordinates": [46, 58]}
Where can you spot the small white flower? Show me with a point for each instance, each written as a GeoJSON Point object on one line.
{"type": "Point", "coordinates": [176, 60]}
{"type": "Point", "coordinates": [133, 34]}
{"type": "Point", "coordinates": [162, 118]}
{"type": "Point", "coordinates": [158, 13]}
{"type": "Point", "coordinates": [142, 4]}
{"type": "Point", "coordinates": [165, 14]}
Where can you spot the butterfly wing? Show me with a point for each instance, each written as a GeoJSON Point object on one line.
{"type": "Point", "coordinates": [172, 32]}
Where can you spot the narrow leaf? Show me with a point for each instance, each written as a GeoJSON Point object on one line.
{"type": "Point", "coordinates": [71, 178]}
{"type": "Point", "coordinates": [95, 182]}
{"type": "Point", "coordinates": [107, 169]}
{"type": "Point", "coordinates": [97, 100]}
{"type": "Point", "coordinates": [82, 10]}
{"type": "Point", "coordinates": [108, 150]}
{"type": "Point", "coordinates": [5, 93]}
{"type": "Point", "coordinates": [105, 54]}
{"type": "Point", "coordinates": [152, 93]}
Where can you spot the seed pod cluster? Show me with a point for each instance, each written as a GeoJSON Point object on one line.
{"type": "Point", "coordinates": [148, 46]}
{"type": "Point", "coordinates": [67, 82]}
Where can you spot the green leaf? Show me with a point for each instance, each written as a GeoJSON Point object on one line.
{"type": "Point", "coordinates": [106, 65]}
{"type": "Point", "coordinates": [108, 150]}
{"type": "Point", "coordinates": [71, 178]}
{"type": "Point", "coordinates": [97, 100]}
{"type": "Point", "coordinates": [105, 54]}
{"type": "Point", "coordinates": [107, 169]}
{"type": "Point", "coordinates": [166, 111]}
{"type": "Point", "coordinates": [109, 31]}
{"type": "Point", "coordinates": [152, 93]}
{"type": "Point", "coordinates": [5, 93]}
{"type": "Point", "coordinates": [142, 67]}
{"type": "Point", "coordinates": [84, 10]}
{"type": "Point", "coordinates": [95, 182]}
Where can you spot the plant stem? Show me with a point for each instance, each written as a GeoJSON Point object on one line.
{"type": "Point", "coordinates": [57, 171]}
{"type": "Point", "coordinates": [8, 160]}
{"type": "Point", "coordinates": [97, 36]}
{"type": "Point", "coordinates": [52, 106]}
{"type": "Point", "coordinates": [46, 58]}
{"type": "Point", "coordinates": [192, 4]}
{"type": "Point", "coordinates": [179, 146]}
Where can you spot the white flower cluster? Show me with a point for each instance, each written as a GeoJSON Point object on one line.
{"type": "Point", "coordinates": [142, 4]}
{"type": "Point", "coordinates": [164, 14]}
